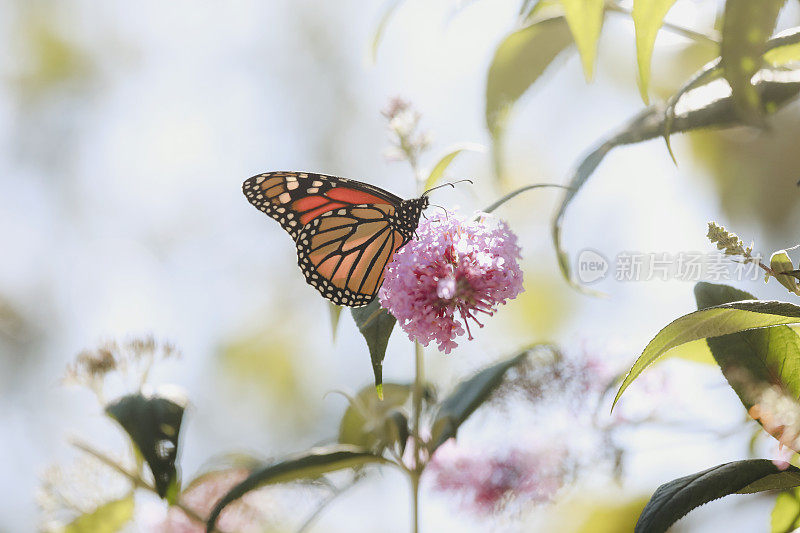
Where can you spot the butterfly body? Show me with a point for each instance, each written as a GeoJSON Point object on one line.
{"type": "Point", "coordinates": [345, 231]}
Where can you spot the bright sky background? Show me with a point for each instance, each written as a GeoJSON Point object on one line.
{"type": "Point", "coordinates": [121, 213]}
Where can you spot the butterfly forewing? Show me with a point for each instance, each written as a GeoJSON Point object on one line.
{"type": "Point", "coordinates": [345, 231]}
{"type": "Point", "coordinates": [296, 198]}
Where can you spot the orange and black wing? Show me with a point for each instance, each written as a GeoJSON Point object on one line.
{"type": "Point", "coordinates": [343, 253]}
{"type": "Point", "coordinates": [295, 199]}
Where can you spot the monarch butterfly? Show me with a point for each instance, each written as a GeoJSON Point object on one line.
{"type": "Point", "coordinates": [345, 231]}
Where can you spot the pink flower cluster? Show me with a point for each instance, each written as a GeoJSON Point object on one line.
{"type": "Point", "coordinates": [201, 498]}
{"type": "Point", "coordinates": [454, 269]}
{"type": "Point", "coordinates": [488, 484]}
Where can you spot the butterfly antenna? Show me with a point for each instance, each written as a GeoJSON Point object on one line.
{"type": "Point", "coordinates": [446, 215]}
{"type": "Point", "coordinates": [451, 184]}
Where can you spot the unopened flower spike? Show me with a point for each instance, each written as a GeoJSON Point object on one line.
{"type": "Point", "coordinates": [728, 241]}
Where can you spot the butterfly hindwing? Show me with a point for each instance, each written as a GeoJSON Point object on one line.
{"type": "Point", "coordinates": [343, 253]}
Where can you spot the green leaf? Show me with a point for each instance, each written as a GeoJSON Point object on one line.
{"type": "Point", "coordinates": [466, 398]}
{"type": "Point", "coordinates": [153, 424]}
{"type": "Point", "coordinates": [756, 360]}
{"type": "Point", "coordinates": [585, 18]}
{"type": "Point", "coordinates": [451, 153]}
{"type": "Point", "coordinates": [389, 9]}
{"type": "Point", "coordinates": [518, 62]}
{"type": "Point", "coordinates": [364, 422]}
{"type": "Point", "coordinates": [530, 9]}
{"type": "Point", "coordinates": [648, 16]}
{"type": "Point", "coordinates": [746, 26]}
{"type": "Point", "coordinates": [108, 518]}
{"type": "Point", "coordinates": [675, 499]}
{"type": "Point", "coordinates": [712, 321]}
{"type": "Point", "coordinates": [781, 262]}
{"type": "Point", "coordinates": [712, 108]}
{"type": "Point", "coordinates": [306, 465]}
{"type": "Point", "coordinates": [375, 324]}
{"type": "Point", "coordinates": [335, 311]}
{"type": "Point", "coordinates": [785, 515]}
{"type": "Point", "coordinates": [710, 72]}
{"type": "Point", "coordinates": [784, 48]}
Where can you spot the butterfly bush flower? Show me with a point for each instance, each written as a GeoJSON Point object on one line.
{"type": "Point", "coordinates": [453, 271]}
{"type": "Point", "coordinates": [488, 483]}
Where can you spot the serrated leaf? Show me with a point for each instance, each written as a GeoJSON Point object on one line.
{"type": "Point", "coordinates": [108, 518]}
{"type": "Point", "coordinates": [153, 423]}
{"type": "Point", "coordinates": [712, 108]}
{"type": "Point", "coordinates": [375, 323]}
{"type": "Point", "coordinates": [712, 321]}
{"type": "Point", "coordinates": [756, 360]}
{"type": "Point", "coordinates": [675, 499]}
{"type": "Point", "coordinates": [466, 398]}
{"type": "Point", "coordinates": [785, 516]}
{"type": "Point", "coordinates": [746, 27]}
{"type": "Point", "coordinates": [585, 19]}
{"type": "Point", "coordinates": [335, 312]}
{"type": "Point", "coordinates": [518, 62]}
{"type": "Point", "coordinates": [648, 16]}
{"type": "Point", "coordinates": [364, 421]}
{"type": "Point", "coordinates": [306, 465]}
{"type": "Point", "coordinates": [389, 9]}
{"type": "Point", "coordinates": [451, 153]}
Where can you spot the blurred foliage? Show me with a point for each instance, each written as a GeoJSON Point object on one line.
{"type": "Point", "coordinates": [14, 328]}
{"type": "Point", "coordinates": [438, 171]}
{"type": "Point", "coordinates": [364, 422]}
{"type": "Point", "coordinates": [785, 516]}
{"type": "Point", "coordinates": [335, 312]}
{"type": "Point", "coordinates": [50, 58]}
{"type": "Point", "coordinates": [310, 464]}
{"type": "Point", "coordinates": [271, 363]}
{"type": "Point", "coordinates": [602, 516]}
{"type": "Point", "coordinates": [677, 66]}
{"type": "Point", "coordinates": [468, 396]}
{"type": "Point", "coordinates": [754, 172]}
{"type": "Point", "coordinates": [520, 59]}
{"type": "Point", "coordinates": [541, 310]}
{"type": "Point", "coordinates": [585, 19]}
{"type": "Point", "coordinates": [746, 26]}
{"type": "Point", "coordinates": [108, 518]}
{"type": "Point", "coordinates": [648, 16]}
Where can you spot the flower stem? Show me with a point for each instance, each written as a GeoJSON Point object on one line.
{"type": "Point", "coordinates": [416, 412]}
{"type": "Point", "coordinates": [415, 499]}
